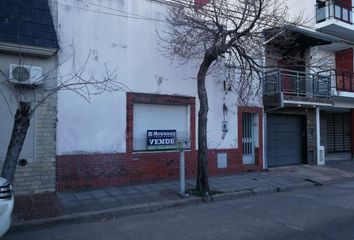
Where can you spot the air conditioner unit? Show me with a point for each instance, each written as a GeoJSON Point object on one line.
{"type": "Point", "coordinates": [25, 75]}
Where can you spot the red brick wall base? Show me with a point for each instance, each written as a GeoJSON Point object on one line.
{"type": "Point", "coordinates": [101, 170]}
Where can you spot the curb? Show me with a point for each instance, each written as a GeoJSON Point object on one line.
{"type": "Point", "coordinates": [112, 213]}
{"type": "Point", "coordinates": [105, 214]}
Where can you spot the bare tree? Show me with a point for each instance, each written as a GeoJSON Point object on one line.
{"type": "Point", "coordinates": [226, 31]}
{"type": "Point", "coordinates": [79, 79]}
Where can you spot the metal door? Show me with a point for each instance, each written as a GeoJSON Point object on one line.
{"type": "Point", "coordinates": [248, 139]}
{"type": "Point", "coordinates": [284, 139]}
{"type": "Point", "coordinates": [339, 133]}
{"type": "Point", "coordinates": [158, 117]}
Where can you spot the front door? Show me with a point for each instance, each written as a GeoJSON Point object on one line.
{"type": "Point", "coordinates": [248, 145]}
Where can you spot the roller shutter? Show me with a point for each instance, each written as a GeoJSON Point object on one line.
{"type": "Point", "coordinates": [284, 139]}
{"type": "Point", "coordinates": [338, 133]}
{"type": "Point", "coordinates": [158, 117]}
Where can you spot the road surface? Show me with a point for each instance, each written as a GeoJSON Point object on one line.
{"type": "Point", "coordinates": [325, 212]}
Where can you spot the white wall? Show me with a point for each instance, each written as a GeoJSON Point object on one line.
{"type": "Point", "coordinates": [304, 8]}
{"type": "Point", "coordinates": [122, 34]}
{"type": "Point", "coordinates": [322, 58]}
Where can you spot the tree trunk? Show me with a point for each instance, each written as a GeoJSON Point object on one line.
{"type": "Point", "coordinates": [19, 132]}
{"type": "Point", "coordinates": [202, 178]}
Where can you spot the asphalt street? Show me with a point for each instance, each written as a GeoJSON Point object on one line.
{"type": "Point", "coordinates": [324, 212]}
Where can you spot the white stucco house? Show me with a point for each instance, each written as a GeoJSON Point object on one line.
{"type": "Point", "coordinates": [106, 142]}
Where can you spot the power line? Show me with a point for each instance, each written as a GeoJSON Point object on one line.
{"type": "Point", "coordinates": [185, 3]}
{"type": "Point", "coordinates": [141, 17]}
{"type": "Point", "coordinates": [123, 14]}
{"type": "Point", "coordinates": [126, 14]}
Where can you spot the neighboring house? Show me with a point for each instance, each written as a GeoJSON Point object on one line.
{"type": "Point", "coordinates": [28, 38]}
{"type": "Point", "coordinates": [309, 94]}
{"type": "Point", "coordinates": [105, 142]}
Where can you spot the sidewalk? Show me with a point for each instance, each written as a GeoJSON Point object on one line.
{"type": "Point", "coordinates": [135, 198]}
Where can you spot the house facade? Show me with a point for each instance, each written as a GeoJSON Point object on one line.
{"type": "Point", "coordinates": [115, 139]}
{"type": "Point", "coordinates": [28, 46]}
{"type": "Point", "coordinates": [308, 92]}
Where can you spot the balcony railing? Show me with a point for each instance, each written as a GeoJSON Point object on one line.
{"type": "Point", "coordinates": [296, 83]}
{"type": "Point", "coordinates": [342, 80]}
{"type": "Point", "coordinates": [332, 9]}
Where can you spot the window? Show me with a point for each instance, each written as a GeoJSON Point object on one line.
{"type": "Point", "coordinates": [162, 119]}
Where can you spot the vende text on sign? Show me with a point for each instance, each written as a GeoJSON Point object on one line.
{"type": "Point", "coordinates": [161, 138]}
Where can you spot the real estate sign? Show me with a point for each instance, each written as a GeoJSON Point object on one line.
{"type": "Point", "coordinates": [157, 138]}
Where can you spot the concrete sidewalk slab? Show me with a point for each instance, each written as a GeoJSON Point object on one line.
{"type": "Point", "coordinates": [46, 208]}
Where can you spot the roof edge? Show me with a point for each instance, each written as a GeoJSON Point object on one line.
{"type": "Point", "coordinates": [320, 35]}
{"type": "Point", "coordinates": [27, 50]}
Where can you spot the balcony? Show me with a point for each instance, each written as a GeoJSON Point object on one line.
{"type": "Point", "coordinates": [332, 10]}
{"type": "Point", "coordinates": [342, 82]}
{"type": "Point", "coordinates": [335, 18]}
{"type": "Point", "coordinates": [287, 86]}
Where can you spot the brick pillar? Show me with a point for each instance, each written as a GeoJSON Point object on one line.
{"type": "Point", "coordinates": [352, 116]}
{"type": "Point", "coordinates": [311, 136]}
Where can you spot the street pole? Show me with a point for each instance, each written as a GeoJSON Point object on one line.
{"type": "Point", "coordinates": [182, 176]}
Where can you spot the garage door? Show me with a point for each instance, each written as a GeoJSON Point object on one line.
{"type": "Point", "coordinates": [284, 139]}
{"type": "Point", "coordinates": [158, 117]}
